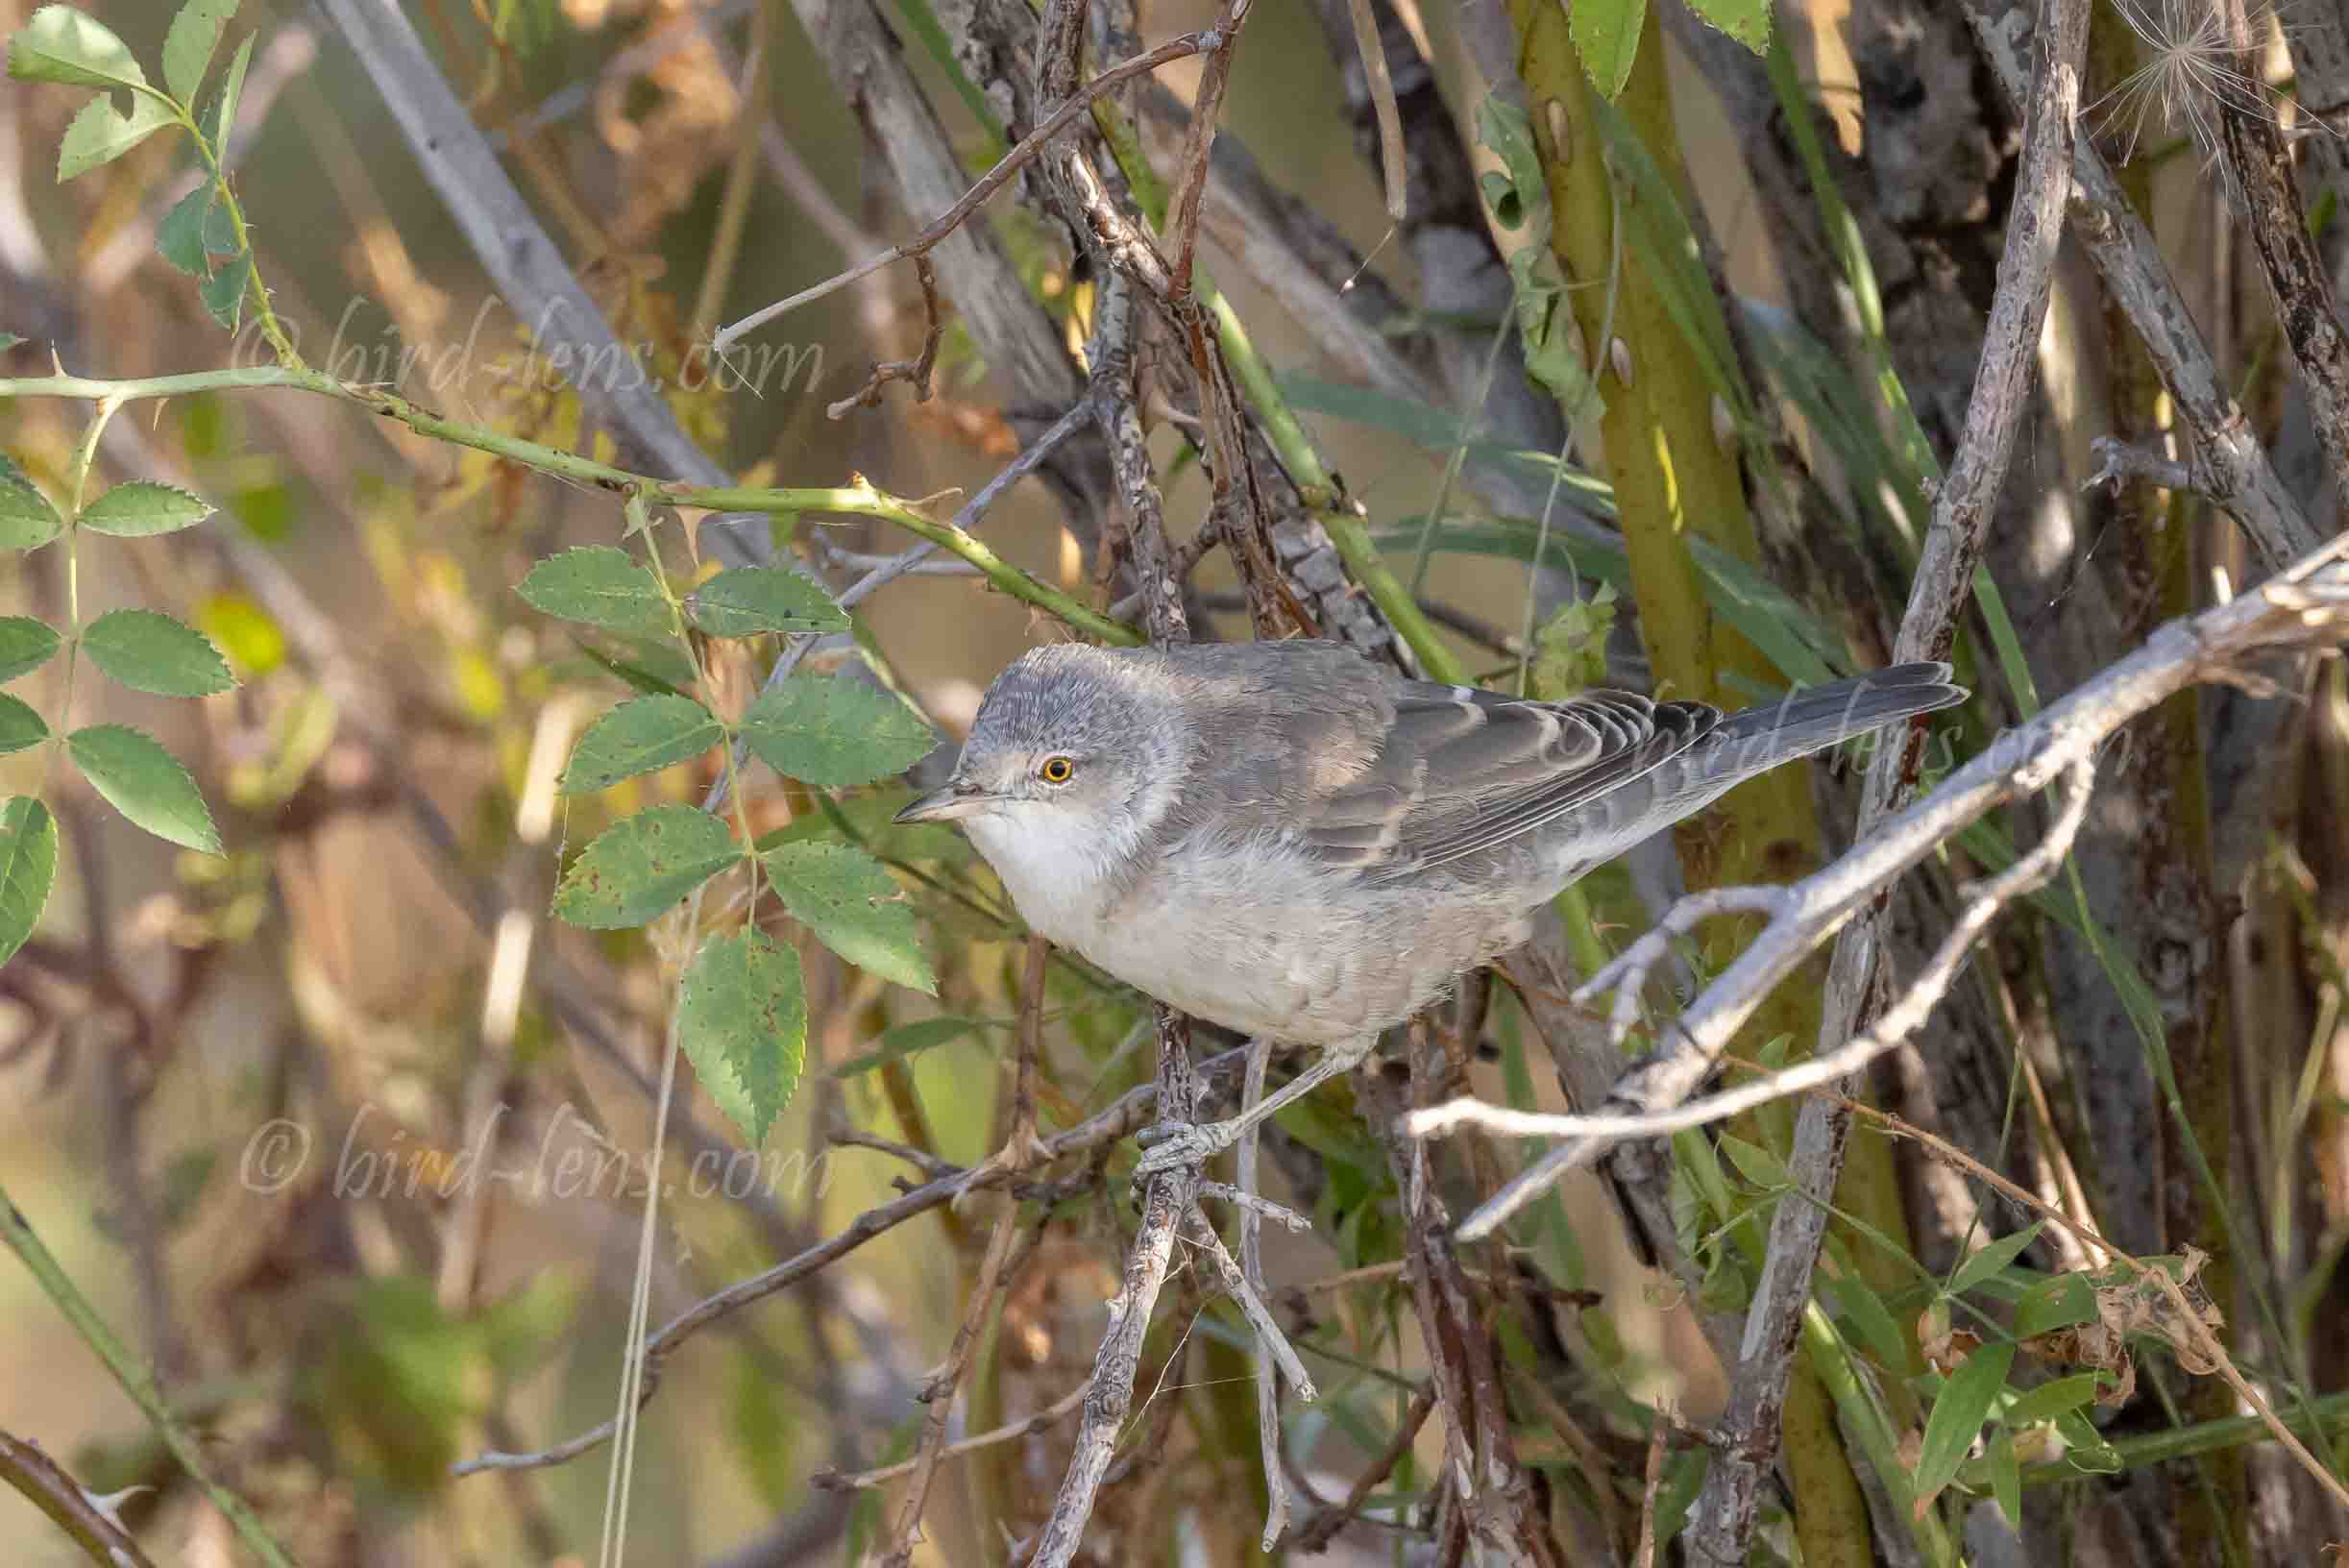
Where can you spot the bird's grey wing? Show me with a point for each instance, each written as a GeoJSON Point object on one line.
{"type": "Point", "coordinates": [1459, 770]}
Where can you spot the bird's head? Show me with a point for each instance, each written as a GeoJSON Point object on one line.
{"type": "Point", "coordinates": [1076, 751]}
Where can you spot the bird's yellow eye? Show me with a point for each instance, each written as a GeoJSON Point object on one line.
{"type": "Point", "coordinates": [1055, 769]}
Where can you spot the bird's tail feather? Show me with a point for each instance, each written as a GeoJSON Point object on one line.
{"type": "Point", "coordinates": [1749, 743]}
{"type": "Point", "coordinates": [1759, 738]}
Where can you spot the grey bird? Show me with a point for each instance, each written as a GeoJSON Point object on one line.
{"type": "Point", "coordinates": [1292, 842]}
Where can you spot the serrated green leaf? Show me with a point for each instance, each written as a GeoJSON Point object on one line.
{"type": "Point", "coordinates": [20, 726]}
{"type": "Point", "coordinates": [100, 133]}
{"type": "Point", "coordinates": [751, 599]}
{"type": "Point", "coordinates": [910, 1039]}
{"type": "Point", "coordinates": [1993, 1258]}
{"type": "Point", "coordinates": [639, 737]}
{"type": "Point", "coordinates": [180, 238]}
{"type": "Point", "coordinates": [143, 508]}
{"type": "Point", "coordinates": [1754, 1163]}
{"type": "Point", "coordinates": [25, 644]}
{"type": "Point", "coordinates": [652, 665]}
{"type": "Point", "coordinates": [601, 586]}
{"type": "Point", "coordinates": [742, 1020]}
{"type": "Point", "coordinates": [223, 118]}
{"type": "Point", "coordinates": [224, 292]}
{"type": "Point", "coordinates": [642, 864]}
{"type": "Point", "coordinates": [61, 45]}
{"type": "Point", "coordinates": [833, 731]}
{"type": "Point", "coordinates": [2057, 1397]}
{"type": "Point", "coordinates": [145, 783]}
{"type": "Point", "coordinates": [1958, 1412]}
{"type": "Point", "coordinates": [187, 47]}
{"type": "Point", "coordinates": [151, 652]}
{"type": "Point", "coordinates": [27, 520]}
{"type": "Point", "coordinates": [1605, 34]}
{"type": "Point", "coordinates": [854, 907]}
{"type": "Point", "coordinates": [1748, 21]}
{"type": "Point", "coordinates": [28, 868]}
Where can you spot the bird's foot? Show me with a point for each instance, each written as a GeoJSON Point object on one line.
{"type": "Point", "coordinates": [1172, 1146]}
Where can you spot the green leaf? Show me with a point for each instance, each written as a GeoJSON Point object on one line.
{"type": "Point", "coordinates": [187, 48]}
{"type": "Point", "coordinates": [642, 864]}
{"type": "Point", "coordinates": [1748, 21]}
{"type": "Point", "coordinates": [27, 520]}
{"type": "Point", "coordinates": [224, 293]}
{"type": "Point", "coordinates": [1871, 1320]}
{"type": "Point", "coordinates": [1605, 34]}
{"type": "Point", "coordinates": [180, 238]}
{"type": "Point", "coordinates": [741, 1019]}
{"type": "Point", "coordinates": [602, 586]}
{"type": "Point", "coordinates": [854, 907]}
{"type": "Point", "coordinates": [151, 652]}
{"type": "Point", "coordinates": [833, 731]}
{"type": "Point", "coordinates": [639, 737]}
{"type": "Point", "coordinates": [2056, 1397]}
{"type": "Point", "coordinates": [1993, 1257]}
{"type": "Point", "coordinates": [61, 45]}
{"type": "Point", "coordinates": [2060, 1303]}
{"type": "Point", "coordinates": [143, 508]}
{"type": "Point", "coordinates": [145, 783]}
{"type": "Point", "coordinates": [20, 726]}
{"type": "Point", "coordinates": [100, 133]}
{"type": "Point", "coordinates": [1754, 1163]}
{"type": "Point", "coordinates": [25, 644]}
{"type": "Point", "coordinates": [754, 598]}
{"type": "Point", "coordinates": [8, 341]}
{"type": "Point", "coordinates": [911, 1040]}
{"type": "Point", "coordinates": [231, 89]}
{"type": "Point", "coordinates": [1958, 1414]}
{"type": "Point", "coordinates": [28, 867]}
{"type": "Point", "coordinates": [1795, 640]}
{"type": "Point", "coordinates": [2006, 1478]}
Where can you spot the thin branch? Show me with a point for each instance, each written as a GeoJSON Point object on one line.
{"type": "Point", "coordinates": [2230, 463]}
{"type": "Point", "coordinates": [1043, 1420]}
{"type": "Point", "coordinates": [86, 1522]}
{"type": "Point", "coordinates": [2268, 196]}
{"type": "Point", "coordinates": [1191, 176]}
{"type": "Point", "coordinates": [1720, 1524]}
{"type": "Point", "coordinates": [1109, 1394]}
{"type": "Point", "coordinates": [1011, 163]}
{"type": "Point", "coordinates": [1108, 1127]}
{"type": "Point", "coordinates": [522, 261]}
{"type": "Point", "coordinates": [1898, 1022]}
{"type": "Point", "coordinates": [2305, 606]}
{"type": "Point", "coordinates": [915, 370]}
{"type": "Point", "coordinates": [939, 1395]}
{"type": "Point", "coordinates": [1315, 1535]}
{"type": "Point", "coordinates": [2122, 462]}
{"type": "Point", "coordinates": [137, 1380]}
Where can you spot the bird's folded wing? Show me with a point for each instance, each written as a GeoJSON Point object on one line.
{"type": "Point", "coordinates": [1459, 771]}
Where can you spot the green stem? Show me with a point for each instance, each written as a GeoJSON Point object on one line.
{"type": "Point", "coordinates": [137, 1380]}
{"type": "Point", "coordinates": [858, 497]}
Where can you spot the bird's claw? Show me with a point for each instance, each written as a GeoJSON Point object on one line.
{"type": "Point", "coordinates": [1174, 1145]}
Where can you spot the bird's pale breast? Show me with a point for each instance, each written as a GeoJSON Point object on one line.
{"type": "Point", "coordinates": [1252, 935]}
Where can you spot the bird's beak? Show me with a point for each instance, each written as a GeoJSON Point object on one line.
{"type": "Point", "coordinates": [956, 801]}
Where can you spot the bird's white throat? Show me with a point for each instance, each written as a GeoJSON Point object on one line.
{"type": "Point", "coordinates": [1063, 882]}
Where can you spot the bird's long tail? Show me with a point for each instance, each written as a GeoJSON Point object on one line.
{"type": "Point", "coordinates": [1753, 742]}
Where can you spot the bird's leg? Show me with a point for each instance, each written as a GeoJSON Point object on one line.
{"type": "Point", "coordinates": [1171, 1145]}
